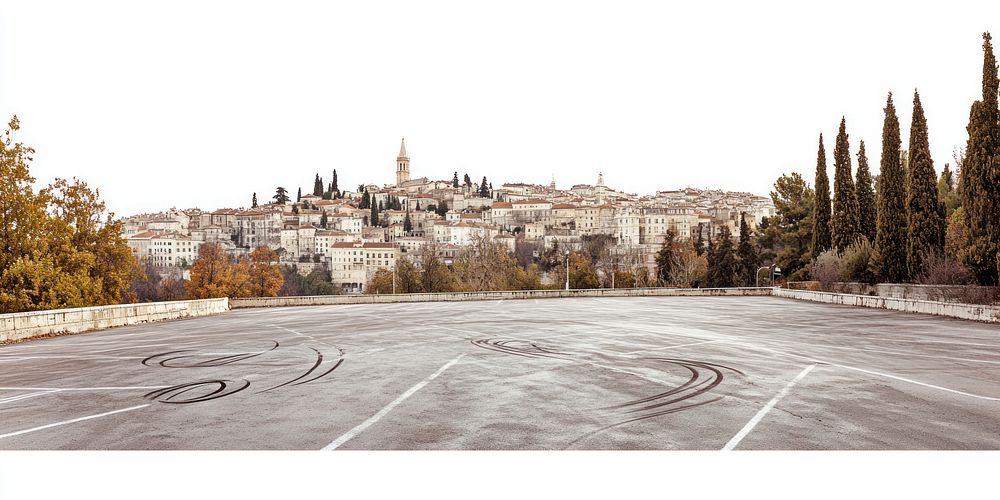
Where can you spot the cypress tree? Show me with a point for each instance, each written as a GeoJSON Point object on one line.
{"type": "Point", "coordinates": [922, 207]}
{"type": "Point", "coordinates": [253, 204]}
{"type": "Point", "coordinates": [822, 238]}
{"type": "Point", "coordinates": [333, 185]}
{"type": "Point", "coordinates": [454, 180]}
{"type": "Point", "coordinates": [324, 221]}
{"type": "Point", "coordinates": [866, 197]}
{"type": "Point", "coordinates": [373, 218]}
{"type": "Point", "coordinates": [748, 258]}
{"type": "Point", "coordinates": [844, 221]}
{"type": "Point", "coordinates": [890, 233]}
{"type": "Point", "coordinates": [366, 200]}
{"type": "Point", "coordinates": [980, 185]}
{"type": "Point", "coordinates": [468, 181]}
{"type": "Point", "coordinates": [298, 196]}
{"type": "Point", "coordinates": [318, 186]}
{"type": "Point", "coordinates": [699, 244]}
{"type": "Point", "coordinates": [407, 223]}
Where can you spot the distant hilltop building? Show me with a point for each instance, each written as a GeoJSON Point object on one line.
{"type": "Point", "coordinates": [402, 165]}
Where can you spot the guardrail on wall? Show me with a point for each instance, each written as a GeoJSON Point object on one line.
{"type": "Point", "coordinates": [18, 326]}
{"type": "Point", "coordinates": [990, 314]}
{"type": "Point", "coordinates": [317, 300]}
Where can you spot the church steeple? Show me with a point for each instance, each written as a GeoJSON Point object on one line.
{"type": "Point", "coordinates": [402, 164]}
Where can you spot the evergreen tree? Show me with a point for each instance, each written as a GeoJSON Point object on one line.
{"type": "Point", "coordinates": [281, 196]}
{"type": "Point", "coordinates": [318, 186]}
{"type": "Point", "coordinates": [295, 208]}
{"type": "Point", "coordinates": [666, 259]}
{"type": "Point", "coordinates": [789, 232]}
{"type": "Point", "coordinates": [468, 181]}
{"type": "Point", "coordinates": [454, 180]}
{"type": "Point", "coordinates": [407, 223]}
{"type": "Point", "coordinates": [298, 196]}
{"type": "Point", "coordinates": [822, 238]}
{"type": "Point", "coordinates": [324, 221]}
{"type": "Point", "coordinates": [946, 191]}
{"type": "Point", "coordinates": [890, 234]}
{"type": "Point", "coordinates": [373, 218]}
{"type": "Point", "coordinates": [366, 200]}
{"type": "Point", "coordinates": [866, 197]}
{"type": "Point", "coordinates": [711, 261]}
{"type": "Point", "coordinates": [484, 190]}
{"type": "Point", "coordinates": [980, 183]}
{"type": "Point", "coordinates": [722, 267]}
{"type": "Point", "coordinates": [844, 221]}
{"type": "Point", "coordinates": [418, 206]}
{"type": "Point", "coordinates": [699, 244]}
{"type": "Point", "coordinates": [924, 228]}
{"type": "Point", "coordinates": [747, 253]}
{"type": "Point", "coordinates": [442, 209]}
{"type": "Point", "coordinates": [253, 203]}
{"type": "Point", "coordinates": [333, 185]}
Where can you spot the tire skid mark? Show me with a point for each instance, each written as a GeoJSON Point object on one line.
{"type": "Point", "coordinates": [223, 388]}
{"type": "Point", "coordinates": [319, 361]}
{"type": "Point", "coordinates": [519, 348]}
{"type": "Point", "coordinates": [698, 383]}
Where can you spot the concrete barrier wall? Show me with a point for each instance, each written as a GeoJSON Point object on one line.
{"type": "Point", "coordinates": [967, 294]}
{"type": "Point", "coordinates": [18, 326]}
{"type": "Point", "coordinates": [506, 295]}
{"type": "Point", "coordinates": [975, 312]}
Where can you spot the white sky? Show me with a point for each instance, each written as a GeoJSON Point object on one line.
{"type": "Point", "coordinates": [186, 104]}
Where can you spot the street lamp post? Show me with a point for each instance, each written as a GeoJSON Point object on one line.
{"type": "Point", "coordinates": [757, 276]}
{"type": "Point", "coordinates": [567, 269]}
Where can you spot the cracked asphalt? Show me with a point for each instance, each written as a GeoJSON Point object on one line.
{"type": "Point", "coordinates": [575, 373]}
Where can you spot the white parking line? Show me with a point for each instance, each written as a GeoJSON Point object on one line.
{"type": "Point", "coordinates": [81, 419]}
{"type": "Point", "coordinates": [763, 411]}
{"type": "Point", "coordinates": [381, 413]}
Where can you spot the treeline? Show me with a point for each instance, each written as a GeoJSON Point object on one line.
{"type": "Point", "coordinates": [215, 274]}
{"type": "Point", "coordinates": [59, 247]}
{"type": "Point", "coordinates": [906, 225]}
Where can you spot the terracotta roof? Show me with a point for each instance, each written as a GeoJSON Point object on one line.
{"type": "Point", "coordinates": [502, 204]}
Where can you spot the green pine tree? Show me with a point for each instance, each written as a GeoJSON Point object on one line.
{"type": "Point", "coordinates": [890, 233]}
{"type": "Point", "coordinates": [373, 218]}
{"type": "Point", "coordinates": [407, 223]}
{"type": "Point", "coordinates": [924, 227]}
{"type": "Point", "coordinates": [699, 244]}
{"type": "Point", "coordinates": [980, 183]}
{"type": "Point", "coordinates": [324, 221]}
{"type": "Point", "coordinates": [747, 253]}
{"type": "Point", "coordinates": [281, 195]}
{"type": "Point", "coordinates": [822, 238]}
{"type": "Point", "coordinates": [484, 190]}
{"type": "Point", "coordinates": [298, 196]}
{"type": "Point", "coordinates": [844, 220]}
{"type": "Point", "coordinates": [867, 214]}
{"type": "Point", "coordinates": [666, 259]}
{"type": "Point", "coordinates": [722, 268]}
{"type": "Point", "coordinates": [946, 191]}
{"type": "Point", "coordinates": [333, 185]}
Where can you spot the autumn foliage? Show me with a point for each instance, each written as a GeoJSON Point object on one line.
{"type": "Point", "coordinates": [59, 247]}
{"type": "Point", "coordinates": [215, 274]}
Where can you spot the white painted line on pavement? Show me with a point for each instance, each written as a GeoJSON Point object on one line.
{"type": "Point", "coordinates": [763, 411]}
{"type": "Point", "coordinates": [25, 396]}
{"type": "Point", "coordinates": [381, 413]}
{"type": "Point", "coordinates": [81, 419]}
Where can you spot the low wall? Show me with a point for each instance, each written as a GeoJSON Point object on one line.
{"type": "Point", "coordinates": [19, 326]}
{"type": "Point", "coordinates": [964, 294]}
{"type": "Point", "coordinates": [318, 300]}
{"type": "Point", "coordinates": [990, 314]}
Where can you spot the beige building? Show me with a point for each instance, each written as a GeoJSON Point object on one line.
{"type": "Point", "coordinates": [352, 265]}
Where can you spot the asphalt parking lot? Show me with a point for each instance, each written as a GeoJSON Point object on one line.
{"type": "Point", "coordinates": [582, 373]}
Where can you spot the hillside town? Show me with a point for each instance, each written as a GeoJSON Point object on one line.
{"type": "Point", "coordinates": [351, 234]}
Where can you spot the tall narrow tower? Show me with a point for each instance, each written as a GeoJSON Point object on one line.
{"type": "Point", "coordinates": [402, 164]}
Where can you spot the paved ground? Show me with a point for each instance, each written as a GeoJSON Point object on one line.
{"type": "Point", "coordinates": [582, 373]}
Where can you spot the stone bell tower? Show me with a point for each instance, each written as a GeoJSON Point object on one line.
{"type": "Point", "coordinates": [402, 165]}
